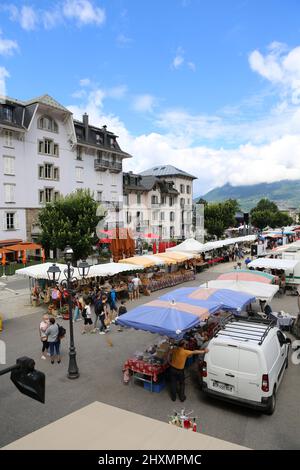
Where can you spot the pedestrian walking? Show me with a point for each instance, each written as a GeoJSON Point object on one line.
{"type": "Point", "coordinates": [136, 286]}
{"type": "Point", "coordinates": [88, 322]}
{"type": "Point", "coordinates": [113, 304]}
{"type": "Point", "coordinates": [130, 289]}
{"type": "Point", "coordinates": [43, 328]}
{"type": "Point", "coordinates": [53, 340]}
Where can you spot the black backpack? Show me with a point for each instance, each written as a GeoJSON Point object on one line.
{"type": "Point", "coordinates": [61, 332]}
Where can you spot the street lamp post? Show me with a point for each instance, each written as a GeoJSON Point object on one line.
{"type": "Point", "coordinates": [54, 274]}
{"type": "Point", "coordinates": [73, 372]}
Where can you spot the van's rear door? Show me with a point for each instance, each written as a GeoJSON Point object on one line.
{"type": "Point", "coordinates": [222, 368]}
{"type": "Point", "coordinates": [250, 375]}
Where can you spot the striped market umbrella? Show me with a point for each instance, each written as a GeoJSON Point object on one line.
{"type": "Point", "coordinates": [247, 275]}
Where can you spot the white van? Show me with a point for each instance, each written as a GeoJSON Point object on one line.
{"type": "Point", "coordinates": [245, 363]}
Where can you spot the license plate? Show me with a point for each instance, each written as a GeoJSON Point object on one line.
{"type": "Point", "coordinates": [222, 386]}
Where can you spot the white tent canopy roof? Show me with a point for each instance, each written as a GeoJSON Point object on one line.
{"type": "Point", "coordinates": [189, 245]}
{"type": "Point", "coordinates": [259, 290]}
{"type": "Point", "coordinates": [228, 241]}
{"type": "Point", "coordinates": [39, 271]}
{"type": "Point", "coordinates": [274, 263]}
{"type": "Point", "coordinates": [110, 269]}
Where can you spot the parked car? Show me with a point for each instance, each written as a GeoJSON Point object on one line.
{"type": "Point", "coordinates": [246, 363]}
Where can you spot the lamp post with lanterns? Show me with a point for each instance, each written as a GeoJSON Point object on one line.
{"type": "Point", "coordinates": [54, 275]}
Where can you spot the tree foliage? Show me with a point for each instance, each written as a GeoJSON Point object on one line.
{"type": "Point", "coordinates": [266, 213]}
{"type": "Point", "coordinates": [219, 216]}
{"type": "Point", "coordinates": [70, 220]}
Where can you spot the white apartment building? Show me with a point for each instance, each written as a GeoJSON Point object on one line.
{"type": "Point", "coordinates": [45, 153]}
{"type": "Point", "coordinates": [159, 201]}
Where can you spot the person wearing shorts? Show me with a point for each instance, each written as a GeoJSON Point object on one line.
{"type": "Point", "coordinates": [136, 287]}
{"type": "Point", "coordinates": [53, 340]}
{"type": "Point", "coordinates": [88, 322]}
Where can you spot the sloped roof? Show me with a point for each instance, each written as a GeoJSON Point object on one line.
{"type": "Point", "coordinates": [166, 170]}
{"type": "Point", "coordinates": [49, 101]}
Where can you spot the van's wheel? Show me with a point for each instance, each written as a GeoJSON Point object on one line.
{"type": "Point", "coordinates": [272, 404]}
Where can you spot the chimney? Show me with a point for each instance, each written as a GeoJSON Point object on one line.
{"type": "Point", "coordinates": [85, 120]}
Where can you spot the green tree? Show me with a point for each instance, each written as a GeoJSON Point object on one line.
{"type": "Point", "coordinates": [70, 220]}
{"type": "Point", "coordinates": [219, 216]}
{"type": "Point", "coordinates": [266, 213]}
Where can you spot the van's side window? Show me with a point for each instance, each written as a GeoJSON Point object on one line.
{"type": "Point", "coordinates": [281, 338]}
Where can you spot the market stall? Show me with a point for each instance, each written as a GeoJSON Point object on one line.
{"type": "Point", "coordinates": [171, 319]}
{"type": "Point", "coordinates": [41, 289]}
{"type": "Point", "coordinates": [291, 267]}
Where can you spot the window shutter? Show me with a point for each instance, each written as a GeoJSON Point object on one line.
{"type": "Point", "coordinates": [16, 221]}
{"type": "Point", "coordinates": [4, 227]}
{"type": "Point", "coordinates": [6, 165]}
{"type": "Point", "coordinates": [6, 193]}
{"type": "Point", "coordinates": [12, 166]}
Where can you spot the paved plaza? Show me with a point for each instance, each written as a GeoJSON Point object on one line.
{"type": "Point", "coordinates": [100, 360]}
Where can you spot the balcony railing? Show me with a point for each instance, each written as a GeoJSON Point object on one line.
{"type": "Point", "coordinates": [107, 165]}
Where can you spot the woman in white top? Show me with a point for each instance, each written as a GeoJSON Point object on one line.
{"type": "Point", "coordinates": [87, 316]}
{"type": "Point", "coordinates": [43, 327]}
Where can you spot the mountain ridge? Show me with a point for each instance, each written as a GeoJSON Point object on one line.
{"type": "Point", "coordinates": [285, 193]}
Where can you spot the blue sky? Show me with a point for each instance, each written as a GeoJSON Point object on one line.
{"type": "Point", "coordinates": [210, 86]}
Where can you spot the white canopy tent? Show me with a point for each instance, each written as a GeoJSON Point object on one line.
{"type": "Point", "coordinates": [190, 245]}
{"type": "Point", "coordinates": [228, 241]}
{"type": "Point", "coordinates": [259, 290]}
{"type": "Point", "coordinates": [39, 271]}
{"type": "Point", "coordinates": [111, 269]}
{"type": "Point", "coordinates": [274, 263]}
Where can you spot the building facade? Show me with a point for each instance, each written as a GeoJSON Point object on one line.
{"type": "Point", "coordinates": [45, 153]}
{"type": "Point", "coordinates": [159, 201]}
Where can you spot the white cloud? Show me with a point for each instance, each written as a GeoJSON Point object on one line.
{"type": "Point", "coordinates": [26, 16]}
{"type": "Point", "coordinates": [144, 103]}
{"type": "Point", "coordinates": [263, 148]}
{"type": "Point", "coordinates": [280, 67]}
{"type": "Point", "coordinates": [117, 92]}
{"type": "Point", "coordinates": [245, 164]}
{"type": "Point", "coordinates": [8, 46]}
{"type": "Point", "coordinates": [3, 75]}
{"type": "Point", "coordinates": [52, 18]}
{"type": "Point", "coordinates": [178, 60]}
{"type": "Point", "coordinates": [84, 12]}
{"type": "Point", "coordinates": [123, 40]}
{"type": "Point", "coordinates": [191, 66]}
{"type": "Point", "coordinates": [84, 82]}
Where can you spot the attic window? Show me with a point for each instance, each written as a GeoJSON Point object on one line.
{"type": "Point", "coordinates": [154, 169]}
{"type": "Point", "coordinates": [99, 139]}
{"type": "Point", "coordinates": [163, 168]}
